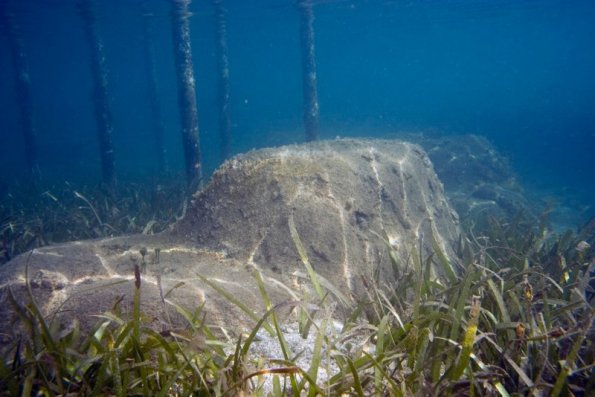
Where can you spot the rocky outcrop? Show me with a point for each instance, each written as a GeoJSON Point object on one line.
{"type": "Point", "coordinates": [341, 201]}
{"type": "Point", "coordinates": [341, 195]}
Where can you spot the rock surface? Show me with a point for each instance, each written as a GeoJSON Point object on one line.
{"type": "Point", "coordinates": [479, 181]}
{"type": "Point", "coordinates": [337, 198]}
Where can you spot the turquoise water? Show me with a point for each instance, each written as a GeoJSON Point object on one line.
{"type": "Point", "coordinates": [518, 72]}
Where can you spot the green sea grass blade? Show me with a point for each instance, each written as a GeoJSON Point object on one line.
{"type": "Point", "coordinates": [418, 272]}
{"type": "Point", "coordinates": [468, 340]}
{"type": "Point", "coordinates": [569, 362]}
{"type": "Point", "coordinates": [120, 392]}
{"type": "Point", "coordinates": [464, 296]}
{"type": "Point", "coordinates": [504, 315]}
{"type": "Point", "coordinates": [392, 255]}
{"type": "Point", "coordinates": [317, 356]}
{"type": "Point", "coordinates": [517, 305]}
{"type": "Point", "coordinates": [268, 306]}
{"type": "Point", "coordinates": [357, 385]}
{"type": "Point", "coordinates": [304, 257]}
{"type": "Point", "coordinates": [567, 308]}
{"type": "Point", "coordinates": [304, 322]}
{"type": "Point", "coordinates": [427, 277]}
{"type": "Point", "coordinates": [162, 342]}
{"type": "Point", "coordinates": [409, 344]}
{"type": "Point", "coordinates": [111, 318]}
{"type": "Point", "coordinates": [276, 386]}
{"type": "Point", "coordinates": [520, 372]}
{"type": "Point", "coordinates": [262, 289]}
{"type": "Point", "coordinates": [443, 259]}
{"type": "Point", "coordinates": [188, 316]}
{"type": "Point", "coordinates": [24, 315]}
{"type": "Point", "coordinates": [496, 294]}
{"type": "Point", "coordinates": [198, 378]}
{"type": "Point", "coordinates": [436, 351]}
{"type": "Point", "coordinates": [238, 361]}
{"type": "Point", "coordinates": [36, 313]}
{"type": "Point", "coordinates": [387, 303]}
{"type": "Point", "coordinates": [85, 291]}
{"type": "Point", "coordinates": [261, 322]}
{"type": "Point", "coordinates": [167, 387]}
{"type": "Point", "coordinates": [142, 364]}
{"type": "Point", "coordinates": [360, 364]}
{"type": "Point", "coordinates": [28, 384]}
{"type": "Point", "coordinates": [501, 389]}
{"type": "Point", "coordinates": [173, 288]}
{"type": "Point", "coordinates": [316, 390]}
{"type": "Point", "coordinates": [124, 334]}
{"type": "Point", "coordinates": [497, 384]}
{"type": "Point", "coordinates": [328, 286]}
{"type": "Point", "coordinates": [136, 305]}
{"type": "Point", "coordinates": [45, 332]}
{"type": "Point", "coordinates": [394, 388]}
{"type": "Point", "coordinates": [380, 339]}
{"type": "Point", "coordinates": [422, 347]}
{"type": "Point", "coordinates": [236, 302]}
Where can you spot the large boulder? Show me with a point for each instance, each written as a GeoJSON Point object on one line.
{"type": "Point", "coordinates": [341, 195]}
{"type": "Point", "coordinates": [342, 201]}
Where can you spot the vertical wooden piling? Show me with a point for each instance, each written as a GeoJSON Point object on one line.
{"type": "Point", "coordinates": [311, 108]}
{"type": "Point", "coordinates": [24, 100]}
{"type": "Point", "coordinates": [223, 78]}
{"type": "Point", "coordinates": [153, 92]}
{"type": "Point", "coordinates": [103, 112]}
{"type": "Point", "coordinates": [186, 91]}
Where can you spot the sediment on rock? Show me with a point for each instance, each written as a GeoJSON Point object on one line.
{"type": "Point", "coordinates": [343, 201]}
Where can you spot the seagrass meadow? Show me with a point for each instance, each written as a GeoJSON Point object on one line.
{"type": "Point", "coordinates": [297, 198]}
{"type": "Point", "coordinates": [516, 322]}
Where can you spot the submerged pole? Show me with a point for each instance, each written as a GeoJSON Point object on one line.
{"type": "Point", "coordinates": [311, 109]}
{"type": "Point", "coordinates": [186, 91]}
{"type": "Point", "coordinates": [103, 112]}
{"type": "Point", "coordinates": [153, 92]}
{"type": "Point", "coordinates": [223, 71]}
{"type": "Point", "coordinates": [22, 88]}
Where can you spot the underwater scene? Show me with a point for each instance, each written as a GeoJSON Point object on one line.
{"type": "Point", "coordinates": [297, 197]}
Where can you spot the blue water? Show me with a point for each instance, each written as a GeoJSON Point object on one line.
{"type": "Point", "coordinates": [521, 73]}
